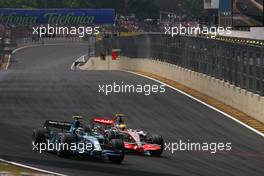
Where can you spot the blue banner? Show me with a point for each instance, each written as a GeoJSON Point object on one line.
{"type": "Point", "coordinates": [57, 16]}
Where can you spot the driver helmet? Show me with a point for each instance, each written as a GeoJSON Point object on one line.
{"type": "Point", "coordinates": [122, 126]}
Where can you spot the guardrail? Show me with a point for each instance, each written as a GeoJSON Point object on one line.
{"type": "Point", "coordinates": [238, 64]}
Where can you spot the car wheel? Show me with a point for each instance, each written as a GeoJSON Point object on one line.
{"type": "Point", "coordinates": [117, 144]}
{"type": "Point", "coordinates": [157, 139]}
{"type": "Point", "coordinates": [65, 140]}
{"type": "Point", "coordinates": [39, 136]}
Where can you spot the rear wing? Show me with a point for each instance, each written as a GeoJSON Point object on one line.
{"type": "Point", "coordinates": [104, 121]}
{"type": "Point", "coordinates": [57, 124]}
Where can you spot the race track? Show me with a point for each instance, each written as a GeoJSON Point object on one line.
{"type": "Point", "coordinates": [39, 85]}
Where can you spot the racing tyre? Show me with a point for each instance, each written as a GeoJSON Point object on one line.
{"type": "Point", "coordinates": [65, 140]}
{"type": "Point", "coordinates": [38, 137]}
{"type": "Point", "coordinates": [157, 139]}
{"type": "Point", "coordinates": [117, 144]}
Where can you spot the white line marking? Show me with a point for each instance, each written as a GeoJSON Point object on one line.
{"type": "Point", "coordinates": [72, 66]}
{"type": "Point", "coordinates": [32, 168]}
{"type": "Point", "coordinates": [80, 59]}
{"type": "Point", "coordinates": [184, 93]}
{"type": "Point", "coordinates": [24, 47]}
{"type": "Point", "coordinates": [7, 65]}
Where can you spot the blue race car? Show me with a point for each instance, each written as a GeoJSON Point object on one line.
{"type": "Point", "coordinates": [72, 139]}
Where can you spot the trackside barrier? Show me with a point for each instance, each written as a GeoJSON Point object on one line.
{"type": "Point", "coordinates": [238, 64]}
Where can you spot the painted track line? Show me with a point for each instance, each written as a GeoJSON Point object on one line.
{"type": "Point", "coordinates": [31, 168]}
{"type": "Point", "coordinates": [8, 62]}
{"type": "Point", "coordinates": [190, 96]}
{"type": "Point", "coordinates": [79, 61]}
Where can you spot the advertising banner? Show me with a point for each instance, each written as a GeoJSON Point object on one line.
{"type": "Point", "coordinates": [27, 17]}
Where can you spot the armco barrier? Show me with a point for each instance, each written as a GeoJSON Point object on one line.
{"type": "Point", "coordinates": [238, 64]}
{"type": "Point", "coordinates": [245, 101]}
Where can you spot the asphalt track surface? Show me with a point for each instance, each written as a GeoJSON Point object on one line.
{"type": "Point", "coordinates": [39, 85]}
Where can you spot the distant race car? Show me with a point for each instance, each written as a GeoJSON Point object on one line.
{"type": "Point", "coordinates": [73, 134]}
{"type": "Point", "coordinates": [135, 140]}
